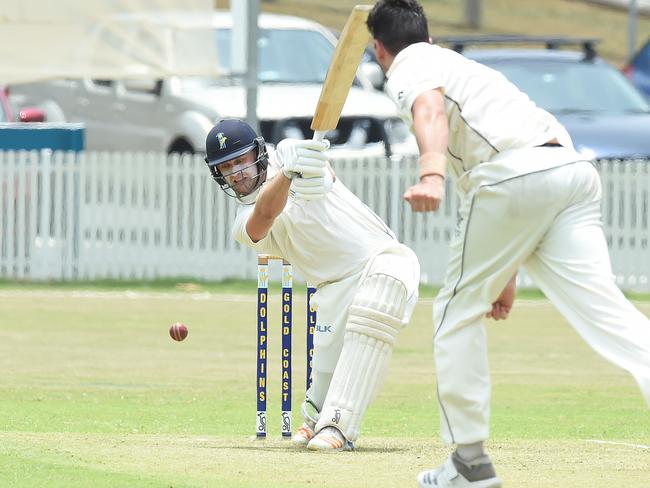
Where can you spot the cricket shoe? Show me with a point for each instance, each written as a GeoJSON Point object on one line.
{"type": "Point", "coordinates": [303, 435]}
{"type": "Point", "coordinates": [454, 473]}
{"type": "Point", "coordinates": [330, 439]}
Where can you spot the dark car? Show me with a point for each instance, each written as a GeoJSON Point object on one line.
{"type": "Point", "coordinates": [638, 69]}
{"type": "Point", "coordinates": [605, 114]}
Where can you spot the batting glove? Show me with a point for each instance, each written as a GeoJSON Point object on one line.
{"type": "Point", "coordinates": [302, 157]}
{"type": "Point", "coordinates": [313, 188]}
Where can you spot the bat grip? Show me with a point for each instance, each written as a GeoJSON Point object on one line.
{"type": "Point", "coordinates": [319, 135]}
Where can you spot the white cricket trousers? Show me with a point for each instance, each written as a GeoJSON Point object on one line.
{"type": "Point", "coordinates": [549, 222]}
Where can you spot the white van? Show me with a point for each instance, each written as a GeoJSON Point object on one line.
{"type": "Point", "coordinates": [176, 113]}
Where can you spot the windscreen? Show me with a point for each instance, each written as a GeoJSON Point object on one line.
{"type": "Point", "coordinates": [284, 56]}
{"type": "Point", "coordinates": [567, 87]}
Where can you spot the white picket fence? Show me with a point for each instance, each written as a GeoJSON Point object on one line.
{"type": "Point", "coordinates": [86, 216]}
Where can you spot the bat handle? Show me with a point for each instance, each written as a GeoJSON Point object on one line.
{"type": "Point", "coordinates": [319, 135]}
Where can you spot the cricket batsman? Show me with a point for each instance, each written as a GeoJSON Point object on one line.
{"type": "Point", "coordinates": [293, 206]}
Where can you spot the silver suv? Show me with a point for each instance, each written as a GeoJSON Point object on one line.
{"type": "Point", "coordinates": [175, 114]}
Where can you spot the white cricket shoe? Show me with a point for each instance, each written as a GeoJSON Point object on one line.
{"type": "Point", "coordinates": [330, 439]}
{"type": "Point", "coordinates": [455, 474]}
{"type": "Point", "coordinates": [303, 435]}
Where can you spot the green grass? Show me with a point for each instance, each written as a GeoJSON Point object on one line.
{"type": "Point", "coordinates": [180, 284]}
{"type": "Point", "coordinates": [550, 17]}
{"type": "Point", "coordinates": [194, 286]}
{"type": "Point", "coordinates": [95, 393]}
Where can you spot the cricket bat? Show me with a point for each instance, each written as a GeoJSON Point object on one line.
{"type": "Point", "coordinates": [341, 72]}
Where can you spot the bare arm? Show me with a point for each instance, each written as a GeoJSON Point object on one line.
{"type": "Point", "coordinates": [298, 158]}
{"type": "Point", "coordinates": [430, 122]}
{"type": "Point", "coordinates": [430, 129]}
{"type": "Point", "coordinates": [269, 204]}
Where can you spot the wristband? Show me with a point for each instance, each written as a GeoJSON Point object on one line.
{"type": "Point", "coordinates": [432, 174]}
{"type": "Point", "coordinates": [432, 163]}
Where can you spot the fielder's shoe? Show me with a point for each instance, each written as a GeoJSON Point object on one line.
{"type": "Point", "coordinates": [304, 434]}
{"type": "Point", "coordinates": [330, 439]}
{"type": "Point", "coordinates": [455, 474]}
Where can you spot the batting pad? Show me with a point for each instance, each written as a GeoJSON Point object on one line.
{"type": "Point", "coordinates": [373, 324]}
{"type": "Point", "coordinates": [310, 412]}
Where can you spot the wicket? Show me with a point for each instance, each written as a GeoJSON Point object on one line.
{"type": "Point", "coordinates": [262, 338]}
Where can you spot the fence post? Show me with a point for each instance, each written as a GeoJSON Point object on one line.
{"type": "Point", "coordinates": [43, 242]}
{"type": "Point", "coordinates": [396, 163]}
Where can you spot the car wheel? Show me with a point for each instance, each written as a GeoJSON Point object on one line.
{"type": "Point", "coordinates": [181, 147]}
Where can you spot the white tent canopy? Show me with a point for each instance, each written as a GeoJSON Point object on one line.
{"type": "Point", "coordinates": [41, 39]}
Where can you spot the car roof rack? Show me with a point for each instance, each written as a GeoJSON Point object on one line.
{"type": "Point", "coordinates": [458, 43]}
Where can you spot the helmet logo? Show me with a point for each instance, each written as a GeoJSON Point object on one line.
{"type": "Point", "coordinates": [222, 140]}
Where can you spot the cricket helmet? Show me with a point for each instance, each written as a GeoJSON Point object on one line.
{"type": "Point", "coordinates": [227, 140]}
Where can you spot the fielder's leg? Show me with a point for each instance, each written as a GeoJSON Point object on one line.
{"type": "Point", "coordinates": [501, 227]}
{"type": "Point", "coordinates": [573, 270]}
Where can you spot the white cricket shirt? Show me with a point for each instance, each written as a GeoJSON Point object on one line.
{"type": "Point", "coordinates": [325, 240]}
{"type": "Point", "coordinates": [487, 114]}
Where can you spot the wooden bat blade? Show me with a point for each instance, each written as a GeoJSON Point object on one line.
{"type": "Point", "coordinates": [342, 69]}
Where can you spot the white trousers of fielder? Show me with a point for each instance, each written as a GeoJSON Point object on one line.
{"type": "Point", "coordinates": [549, 222]}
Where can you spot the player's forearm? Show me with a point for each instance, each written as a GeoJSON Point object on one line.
{"type": "Point", "coordinates": [431, 131]}
{"type": "Point", "coordinates": [269, 204]}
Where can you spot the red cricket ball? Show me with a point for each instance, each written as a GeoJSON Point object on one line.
{"type": "Point", "coordinates": [178, 331]}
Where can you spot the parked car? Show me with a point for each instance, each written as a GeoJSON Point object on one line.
{"type": "Point", "coordinates": [606, 116]}
{"type": "Point", "coordinates": [27, 114]}
{"type": "Point", "coordinates": [371, 68]}
{"type": "Point", "coordinates": [175, 114]}
{"type": "Point", "coordinates": [638, 69]}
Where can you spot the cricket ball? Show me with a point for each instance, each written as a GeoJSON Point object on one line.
{"type": "Point", "coordinates": [178, 331]}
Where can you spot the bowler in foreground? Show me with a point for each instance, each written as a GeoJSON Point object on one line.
{"type": "Point", "coordinates": [528, 199]}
